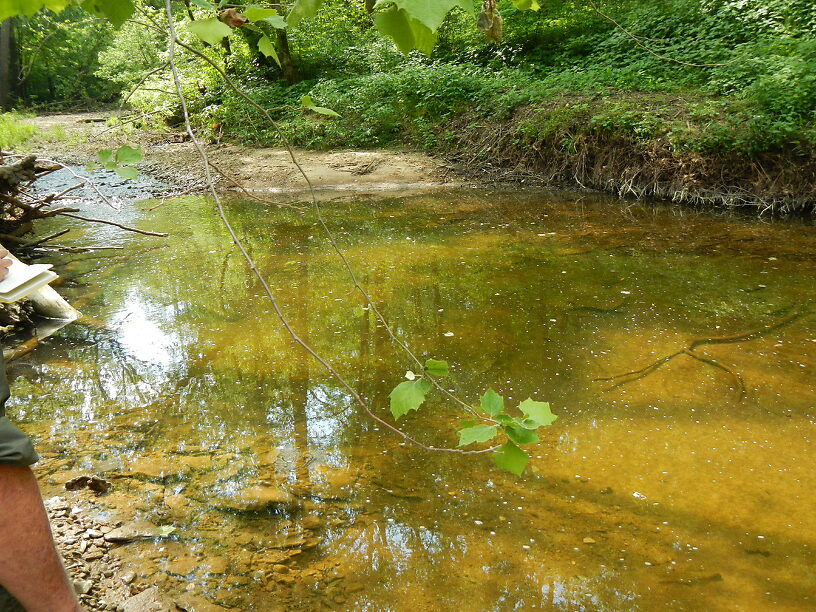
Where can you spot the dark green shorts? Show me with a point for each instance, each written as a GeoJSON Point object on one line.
{"type": "Point", "coordinates": [15, 447]}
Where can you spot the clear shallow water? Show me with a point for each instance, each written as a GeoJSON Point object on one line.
{"type": "Point", "coordinates": [676, 490]}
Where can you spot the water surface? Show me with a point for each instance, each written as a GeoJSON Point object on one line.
{"type": "Point", "coordinates": [688, 488]}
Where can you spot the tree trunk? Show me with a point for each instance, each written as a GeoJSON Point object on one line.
{"type": "Point", "coordinates": [6, 73]}
{"type": "Point", "coordinates": [285, 57]}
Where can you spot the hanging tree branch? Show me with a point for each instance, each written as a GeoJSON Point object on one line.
{"type": "Point", "coordinates": [250, 262]}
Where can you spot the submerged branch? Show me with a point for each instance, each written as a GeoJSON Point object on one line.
{"type": "Point", "coordinates": [633, 375]}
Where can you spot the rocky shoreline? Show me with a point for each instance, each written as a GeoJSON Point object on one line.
{"type": "Point", "coordinates": [90, 547]}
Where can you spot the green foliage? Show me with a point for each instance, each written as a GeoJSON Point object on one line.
{"type": "Point", "coordinates": [411, 394]}
{"type": "Point", "coordinates": [13, 132]}
{"type": "Point", "coordinates": [511, 458]}
{"type": "Point", "coordinates": [407, 396]}
{"type": "Point", "coordinates": [115, 160]}
{"type": "Point", "coordinates": [211, 30]}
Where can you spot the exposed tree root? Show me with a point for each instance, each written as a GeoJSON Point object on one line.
{"type": "Point", "coordinates": [628, 377]}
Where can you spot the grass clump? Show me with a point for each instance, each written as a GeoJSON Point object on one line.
{"type": "Point", "coordinates": [13, 132]}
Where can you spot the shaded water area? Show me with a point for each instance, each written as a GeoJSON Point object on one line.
{"type": "Point", "coordinates": [689, 486]}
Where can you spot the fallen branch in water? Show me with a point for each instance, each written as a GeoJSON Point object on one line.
{"type": "Point", "coordinates": [689, 350]}
{"type": "Point", "coordinates": [113, 223]}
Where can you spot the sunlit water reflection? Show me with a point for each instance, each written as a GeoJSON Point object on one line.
{"type": "Point", "coordinates": [676, 490]}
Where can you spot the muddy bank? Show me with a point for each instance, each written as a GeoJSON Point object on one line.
{"type": "Point", "coordinates": [172, 158]}
{"type": "Point", "coordinates": [560, 146]}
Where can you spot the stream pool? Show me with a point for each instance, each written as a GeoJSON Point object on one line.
{"type": "Point", "coordinates": [688, 485]}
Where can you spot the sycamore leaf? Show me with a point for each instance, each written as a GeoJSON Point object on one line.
{"type": "Point", "coordinates": [165, 531]}
{"type": "Point", "coordinates": [492, 402]}
{"type": "Point", "coordinates": [128, 155]}
{"type": "Point", "coordinates": [430, 13]}
{"type": "Point", "coordinates": [265, 46]}
{"type": "Point", "coordinates": [210, 30]}
{"type": "Point", "coordinates": [12, 8]}
{"type": "Point", "coordinates": [436, 367]}
{"type": "Point", "coordinates": [105, 156]}
{"type": "Point", "coordinates": [526, 5]}
{"type": "Point", "coordinates": [115, 11]}
{"type": "Point", "coordinates": [504, 418]}
{"type": "Point", "coordinates": [511, 458]}
{"type": "Point", "coordinates": [408, 396]}
{"type": "Point", "coordinates": [302, 9]}
{"type": "Point", "coordinates": [537, 412]}
{"type": "Point", "coordinates": [126, 172]}
{"type": "Point", "coordinates": [477, 433]}
{"type": "Point", "coordinates": [306, 102]}
{"type": "Point", "coordinates": [407, 33]}
{"type": "Point", "coordinates": [256, 13]}
{"type": "Point", "coordinates": [519, 434]}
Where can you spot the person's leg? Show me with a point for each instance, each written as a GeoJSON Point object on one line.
{"type": "Point", "coordinates": [30, 567]}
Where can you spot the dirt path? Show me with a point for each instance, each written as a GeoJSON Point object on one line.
{"type": "Point", "coordinates": [171, 157]}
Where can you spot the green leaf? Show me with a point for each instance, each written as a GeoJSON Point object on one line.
{"type": "Point", "coordinates": [256, 13]}
{"type": "Point", "coordinates": [111, 165]}
{"type": "Point", "coordinates": [203, 4]}
{"type": "Point", "coordinates": [128, 155]}
{"type": "Point", "coordinates": [504, 418]}
{"type": "Point", "coordinates": [436, 367]}
{"type": "Point", "coordinates": [477, 433]}
{"type": "Point", "coordinates": [519, 434]}
{"type": "Point", "coordinates": [306, 102]}
{"type": "Point", "coordinates": [526, 5]}
{"type": "Point", "coordinates": [302, 9]}
{"type": "Point", "coordinates": [105, 156]}
{"type": "Point", "coordinates": [115, 11]}
{"type": "Point", "coordinates": [126, 172]}
{"type": "Point", "coordinates": [165, 531]}
{"type": "Point", "coordinates": [408, 396]}
{"type": "Point", "coordinates": [406, 32]}
{"type": "Point", "coordinates": [537, 412]}
{"type": "Point", "coordinates": [430, 13]}
{"type": "Point", "coordinates": [492, 402]}
{"type": "Point", "coordinates": [210, 30]}
{"type": "Point", "coordinates": [12, 8]}
{"type": "Point", "coordinates": [511, 458]}
{"type": "Point", "coordinates": [265, 46]}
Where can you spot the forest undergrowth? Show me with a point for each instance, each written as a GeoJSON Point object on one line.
{"type": "Point", "coordinates": [710, 101]}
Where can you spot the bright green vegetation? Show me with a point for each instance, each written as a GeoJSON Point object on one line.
{"type": "Point", "coordinates": [13, 132]}
{"type": "Point", "coordinates": [565, 69]}
{"type": "Point", "coordinates": [712, 96]}
{"type": "Point", "coordinates": [577, 72]}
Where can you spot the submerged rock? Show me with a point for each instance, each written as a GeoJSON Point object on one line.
{"type": "Point", "coordinates": [258, 498]}
{"type": "Point", "coordinates": [137, 530]}
{"type": "Point", "coordinates": [149, 600]}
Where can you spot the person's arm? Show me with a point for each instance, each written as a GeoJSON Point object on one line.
{"type": "Point", "coordinates": [30, 567]}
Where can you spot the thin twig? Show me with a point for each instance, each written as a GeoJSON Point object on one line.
{"type": "Point", "coordinates": [113, 223]}
{"type": "Point", "coordinates": [250, 262]}
{"type": "Point", "coordinates": [141, 81]}
{"type": "Point", "coordinates": [327, 231]}
{"type": "Point", "coordinates": [88, 182]}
